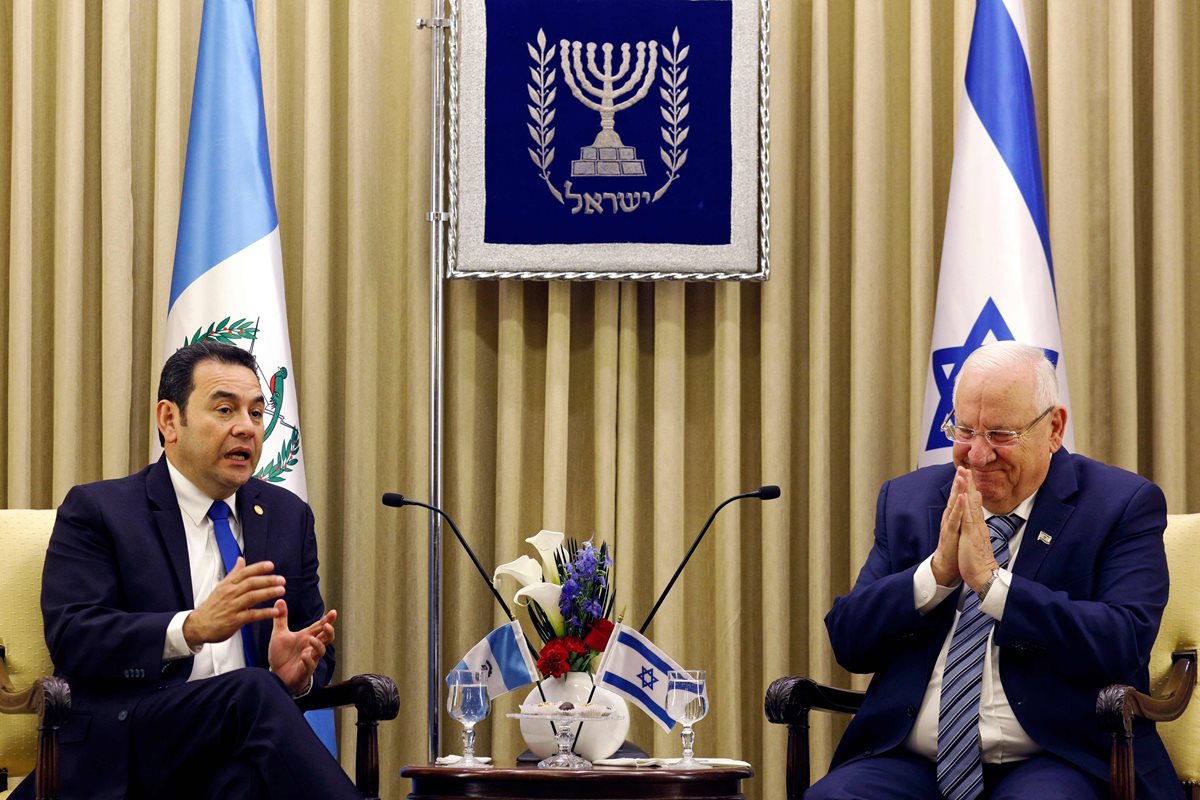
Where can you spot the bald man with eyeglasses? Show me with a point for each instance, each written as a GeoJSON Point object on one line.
{"type": "Point", "coordinates": [1003, 591]}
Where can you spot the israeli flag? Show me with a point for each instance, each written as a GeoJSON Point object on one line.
{"type": "Point", "coordinates": [503, 659]}
{"type": "Point", "coordinates": [997, 275]}
{"type": "Point", "coordinates": [227, 284]}
{"type": "Point", "coordinates": [636, 669]}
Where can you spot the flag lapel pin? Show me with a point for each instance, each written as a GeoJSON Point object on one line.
{"type": "Point", "coordinates": [1044, 537]}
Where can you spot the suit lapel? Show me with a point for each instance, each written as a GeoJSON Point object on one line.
{"type": "Point", "coordinates": [165, 507]}
{"type": "Point", "coordinates": [252, 513]}
{"type": "Point", "coordinates": [1050, 513]}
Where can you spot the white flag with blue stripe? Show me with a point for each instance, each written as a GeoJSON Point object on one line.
{"type": "Point", "coordinates": [227, 284]}
{"type": "Point", "coordinates": [997, 274]}
{"type": "Point", "coordinates": [635, 668]}
{"type": "Point", "coordinates": [504, 660]}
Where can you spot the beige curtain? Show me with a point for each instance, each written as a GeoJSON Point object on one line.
{"type": "Point", "coordinates": [620, 411]}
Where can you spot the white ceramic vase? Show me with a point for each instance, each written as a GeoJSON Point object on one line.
{"type": "Point", "coordinates": [597, 738]}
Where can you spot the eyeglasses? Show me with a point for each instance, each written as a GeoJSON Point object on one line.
{"type": "Point", "coordinates": [961, 434]}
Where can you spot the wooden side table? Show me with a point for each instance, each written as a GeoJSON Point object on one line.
{"type": "Point", "coordinates": [601, 783]}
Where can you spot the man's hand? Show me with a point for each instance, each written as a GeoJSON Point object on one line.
{"type": "Point", "coordinates": [975, 557]}
{"type": "Point", "coordinates": [294, 655]}
{"type": "Point", "coordinates": [945, 558]}
{"type": "Point", "coordinates": [231, 604]}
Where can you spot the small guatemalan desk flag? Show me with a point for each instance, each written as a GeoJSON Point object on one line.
{"type": "Point", "coordinates": [227, 283]}
{"type": "Point", "coordinates": [997, 276]}
{"type": "Point", "coordinates": [503, 659]}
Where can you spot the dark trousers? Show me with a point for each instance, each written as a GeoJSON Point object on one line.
{"type": "Point", "coordinates": [237, 735]}
{"type": "Point", "coordinates": [900, 774]}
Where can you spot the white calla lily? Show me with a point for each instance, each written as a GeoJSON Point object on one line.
{"type": "Point", "coordinates": [546, 595]}
{"type": "Point", "coordinates": [547, 544]}
{"type": "Point", "coordinates": [524, 570]}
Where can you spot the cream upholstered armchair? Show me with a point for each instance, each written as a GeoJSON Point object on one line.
{"type": "Point", "coordinates": [34, 705]}
{"type": "Point", "coordinates": [1172, 679]}
{"type": "Point", "coordinates": [30, 700]}
{"type": "Point", "coordinates": [1172, 673]}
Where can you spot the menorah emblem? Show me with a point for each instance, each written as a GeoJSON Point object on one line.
{"type": "Point", "coordinates": [608, 155]}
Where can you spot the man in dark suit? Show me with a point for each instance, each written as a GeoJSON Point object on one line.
{"type": "Point", "coordinates": [1002, 593]}
{"type": "Point", "coordinates": [183, 670]}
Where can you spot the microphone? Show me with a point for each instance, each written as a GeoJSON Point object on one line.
{"type": "Point", "coordinates": [762, 493]}
{"type": "Point", "coordinates": [398, 501]}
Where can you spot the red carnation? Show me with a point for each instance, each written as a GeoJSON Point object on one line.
{"type": "Point", "coordinates": [573, 644]}
{"type": "Point", "coordinates": [553, 660]}
{"type": "Point", "coordinates": [597, 638]}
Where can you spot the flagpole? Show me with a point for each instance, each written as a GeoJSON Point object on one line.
{"type": "Point", "coordinates": [436, 217]}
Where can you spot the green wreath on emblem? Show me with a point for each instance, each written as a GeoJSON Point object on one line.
{"type": "Point", "coordinates": [224, 332]}
{"type": "Point", "coordinates": [283, 463]}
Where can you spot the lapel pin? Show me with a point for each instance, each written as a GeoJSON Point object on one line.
{"type": "Point", "coordinates": [1043, 537]}
{"type": "Point", "coordinates": [258, 510]}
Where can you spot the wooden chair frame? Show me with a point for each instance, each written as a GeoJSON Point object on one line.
{"type": "Point", "coordinates": [374, 696]}
{"type": "Point", "coordinates": [788, 701]}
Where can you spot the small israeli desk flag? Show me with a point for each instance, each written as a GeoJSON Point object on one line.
{"type": "Point", "coordinates": [636, 669]}
{"type": "Point", "coordinates": [997, 276]}
{"type": "Point", "coordinates": [503, 659]}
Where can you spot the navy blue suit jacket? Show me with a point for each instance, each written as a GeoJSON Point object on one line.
{"type": "Point", "coordinates": [116, 572]}
{"type": "Point", "coordinates": [1082, 612]}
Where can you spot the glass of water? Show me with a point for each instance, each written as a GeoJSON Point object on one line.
{"type": "Point", "coordinates": [468, 703]}
{"type": "Point", "coordinates": [687, 703]}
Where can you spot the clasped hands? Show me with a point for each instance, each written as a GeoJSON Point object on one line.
{"type": "Point", "coordinates": [293, 655]}
{"type": "Point", "coordinates": [964, 550]}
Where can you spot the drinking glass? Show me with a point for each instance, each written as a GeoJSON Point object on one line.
{"type": "Point", "coordinates": [687, 702]}
{"type": "Point", "coordinates": [468, 703]}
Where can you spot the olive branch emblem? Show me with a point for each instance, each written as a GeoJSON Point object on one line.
{"type": "Point", "coordinates": [674, 112]}
{"type": "Point", "coordinates": [289, 454]}
{"type": "Point", "coordinates": [224, 332]}
{"type": "Point", "coordinates": [542, 93]}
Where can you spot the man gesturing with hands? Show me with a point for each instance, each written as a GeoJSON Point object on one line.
{"type": "Point", "coordinates": [1002, 592]}
{"type": "Point", "coordinates": [170, 598]}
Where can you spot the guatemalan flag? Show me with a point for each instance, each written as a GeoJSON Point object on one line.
{"type": "Point", "coordinates": [635, 668]}
{"type": "Point", "coordinates": [227, 283]}
{"type": "Point", "coordinates": [997, 276]}
{"type": "Point", "coordinates": [503, 659]}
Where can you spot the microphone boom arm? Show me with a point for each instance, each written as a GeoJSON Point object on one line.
{"type": "Point", "coordinates": [763, 493]}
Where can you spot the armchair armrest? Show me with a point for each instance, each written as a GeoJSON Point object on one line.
{"type": "Point", "coordinates": [788, 702]}
{"type": "Point", "coordinates": [376, 698]}
{"type": "Point", "coordinates": [50, 699]}
{"type": "Point", "coordinates": [1117, 705]}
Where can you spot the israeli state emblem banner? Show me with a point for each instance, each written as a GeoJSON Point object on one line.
{"type": "Point", "coordinates": [608, 139]}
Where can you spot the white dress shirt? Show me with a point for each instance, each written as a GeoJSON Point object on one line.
{"type": "Point", "coordinates": [1001, 737]}
{"type": "Point", "coordinates": [207, 570]}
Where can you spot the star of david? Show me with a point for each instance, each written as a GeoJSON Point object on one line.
{"type": "Point", "coordinates": [648, 678]}
{"type": "Point", "coordinates": [948, 361]}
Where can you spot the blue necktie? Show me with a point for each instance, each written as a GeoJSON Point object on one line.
{"type": "Point", "coordinates": [219, 514]}
{"type": "Point", "coordinates": [959, 758]}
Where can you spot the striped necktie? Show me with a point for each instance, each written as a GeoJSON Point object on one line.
{"type": "Point", "coordinates": [227, 544]}
{"type": "Point", "coordinates": [959, 758]}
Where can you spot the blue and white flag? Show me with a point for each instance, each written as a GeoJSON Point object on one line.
{"type": "Point", "coordinates": [503, 659]}
{"type": "Point", "coordinates": [997, 275]}
{"type": "Point", "coordinates": [227, 285]}
{"type": "Point", "coordinates": [636, 669]}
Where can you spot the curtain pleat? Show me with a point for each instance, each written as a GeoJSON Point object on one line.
{"type": "Point", "coordinates": [619, 411]}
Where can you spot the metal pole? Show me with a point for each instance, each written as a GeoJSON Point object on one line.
{"type": "Point", "coordinates": [436, 256]}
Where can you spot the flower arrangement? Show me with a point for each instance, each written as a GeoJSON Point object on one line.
{"type": "Point", "coordinates": [569, 598]}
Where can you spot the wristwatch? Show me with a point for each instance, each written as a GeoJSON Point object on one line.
{"type": "Point", "coordinates": [983, 591]}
